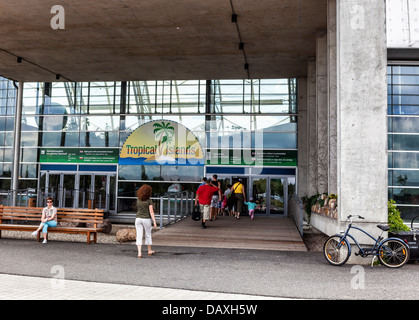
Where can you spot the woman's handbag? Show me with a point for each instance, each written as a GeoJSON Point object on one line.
{"type": "Point", "coordinates": [196, 214]}
{"type": "Point", "coordinates": [232, 197]}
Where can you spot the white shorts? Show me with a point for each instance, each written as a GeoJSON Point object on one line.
{"type": "Point", "coordinates": [140, 225]}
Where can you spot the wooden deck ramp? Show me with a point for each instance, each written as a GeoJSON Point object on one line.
{"type": "Point", "coordinates": [262, 233]}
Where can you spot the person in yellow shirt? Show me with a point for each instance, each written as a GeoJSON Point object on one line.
{"type": "Point", "coordinates": [240, 197]}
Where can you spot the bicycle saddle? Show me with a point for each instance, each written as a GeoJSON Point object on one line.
{"type": "Point", "coordinates": [383, 227]}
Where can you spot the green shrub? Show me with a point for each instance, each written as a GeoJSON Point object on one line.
{"type": "Point", "coordinates": [394, 220]}
{"type": "Point", "coordinates": [309, 202]}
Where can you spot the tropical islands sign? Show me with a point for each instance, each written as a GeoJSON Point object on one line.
{"type": "Point", "coordinates": [162, 142]}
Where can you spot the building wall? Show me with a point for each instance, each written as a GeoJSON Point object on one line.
{"type": "Point", "coordinates": [101, 115]}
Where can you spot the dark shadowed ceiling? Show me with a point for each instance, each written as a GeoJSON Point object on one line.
{"type": "Point", "coordinates": [158, 39]}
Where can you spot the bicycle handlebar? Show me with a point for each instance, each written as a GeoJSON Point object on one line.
{"type": "Point", "coordinates": [355, 216]}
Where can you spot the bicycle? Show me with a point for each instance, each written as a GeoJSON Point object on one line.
{"type": "Point", "coordinates": [391, 252]}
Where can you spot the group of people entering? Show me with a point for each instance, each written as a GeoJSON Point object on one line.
{"type": "Point", "coordinates": [213, 202]}
{"type": "Point", "coordinates": [209, 196]}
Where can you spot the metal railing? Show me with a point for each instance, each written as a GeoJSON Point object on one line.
{"type": "Point", "coordinates": [296, 210]}
{"type": "Point", "coordinates": [23, 197]}
{"type": "Point", "coordinates": [175, 207]}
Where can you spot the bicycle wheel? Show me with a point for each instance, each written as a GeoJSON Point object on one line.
{"type": "Point", "coordinates": [336, 250]}
{"type": "Point", "coordinates": [393, 253]}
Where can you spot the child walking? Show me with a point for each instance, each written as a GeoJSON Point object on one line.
{"type": "Point", "coordinates": [251, 205]}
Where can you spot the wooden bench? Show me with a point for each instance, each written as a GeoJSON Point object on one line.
{"type": "Point", "coordinates": [74, 221]}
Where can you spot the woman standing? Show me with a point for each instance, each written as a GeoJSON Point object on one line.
{"type": "Point", "coordinates": [144, 217]}
{"type": "Point", "coordinates": [48, 219]}
{"type": "Point", "coordinates": [240, 197]}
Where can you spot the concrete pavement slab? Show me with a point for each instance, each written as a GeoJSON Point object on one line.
{"type": "Point", "coordinates": [281, 274]}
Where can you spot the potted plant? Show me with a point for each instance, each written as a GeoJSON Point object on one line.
{"type": "Point", "coordinates": [333, 201]}
{"type": "Point", "coordinates": [394, 220]}
{"type": "Point", "coordinates": [399, 230]}
{"type": "Point", "coordinates": [309, 202]}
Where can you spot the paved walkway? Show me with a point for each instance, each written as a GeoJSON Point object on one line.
{"type": "Point", "coordinates": [277, 234]}
{"type": "Point", "coordinates": [13, 287]}
{"type": "Point", "coordinates": [262, 233]}
{"type": "Point", "coordinates": [112, 271]}
{"type": "Point", "coordinates": [29, 270]}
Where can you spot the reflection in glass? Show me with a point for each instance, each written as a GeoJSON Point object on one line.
{"type": "Point", "coordinates": [403, 160]}
{"type": "Point", "coordinates": [277, 201]}
{"type": "Point", "coordinates": [274, 123]}
{"type": "Point", "coordinates": [6, 139]}
{"type": "Point", "coordinates": [7, 123]}
{"type": "Point", "coordinates": [60, 139]}
{"type": "Point", "coordinates": [403, 142]}
{"type": "Point", "coordinates": [404, 195]}
{"type": "Point", "coordinates": [405, 178]}
{"type": "Point", "coordinates": [5, 170]}
{"type": "Point", "coordinates": [25, 184]}
{"type": "Point", "coordinates": [28, 170]}
{"type": "Point", "coordinates": [259, 195]}
{"type": "Point", "coordinates": [99, 139]}
{"type": "Point", "coordinates": [99, 123]}
{"type": "Point", "coordinates": [403, 99]}
{"type": "Point", "coordinates": [127, 172]}
{"type": "Point", "coordinates": [69, 190]}
{"type": "Point", "coordinates": [182, 173]}
{"type": "Point", "coordinates": [4, 185]}
{"type": "Point", "coordinates": [274, 140]}
{"type": "Point", "coordinates": [29, 139]}
{"type": "Point", "coordinates": [403, 124]}
{"type": "Point", "coordinates": [85, 190]}
{"type": "Point", "coordinates": [29, 154]}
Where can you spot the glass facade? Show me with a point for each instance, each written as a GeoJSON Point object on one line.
{"type": "Point", "coordinates": [403, 138]}
{"type": "Point", "coordinates": [101, 115]}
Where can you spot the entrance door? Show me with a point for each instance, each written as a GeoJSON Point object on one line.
{"type": "Point", "coordinates": [80, 190]}
{"type": "Point", "coordinates": [51, 187]}
{"type": "Point", "coordinates": [97, 191]}
{"type": "Point", "coordinates": [100, 191]}
{"type": "Point", "coordinates": [69, 187]}
{"type": "Point", "coordinates": [271, 194]}
{"type": "Point", "coordinates": [61, 187]}
{"type": "Point", "coordinates": [259, 194]}
{"type": "Point", "coordinates": [277, 193]}
{"type": "Point", "coordinates": [85, 195]}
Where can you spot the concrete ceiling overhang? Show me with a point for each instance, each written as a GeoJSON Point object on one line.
{"type": "Point", "coordinates": [116, 40]}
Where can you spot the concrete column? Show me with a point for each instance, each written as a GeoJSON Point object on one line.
{"type": "Point", "coordinates": [362, 111]}
{"type": "Point", "coordinates": [322, 112]}
{"type": "Point", "coordinates": [16, 143]}
{"type": "Point", "coordinates": [312, 169]}
{"type": "Point", "coordinates": [332, 95]}
{"type": "Point", "coordinates": [303, 154]}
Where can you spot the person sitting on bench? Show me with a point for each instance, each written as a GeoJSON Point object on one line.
{"type": "Point", "coordinates": [49, 219]}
